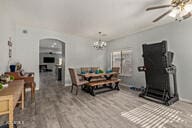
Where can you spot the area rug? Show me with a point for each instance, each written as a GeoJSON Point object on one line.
{"type": "Point", "coordinates": [153, 115]}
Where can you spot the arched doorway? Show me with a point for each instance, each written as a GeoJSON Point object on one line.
{"type": "Point", "coordinates": [52, 61]}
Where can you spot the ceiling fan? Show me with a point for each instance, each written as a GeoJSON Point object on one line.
{"type": "Point", "coordinates": [180, 9]}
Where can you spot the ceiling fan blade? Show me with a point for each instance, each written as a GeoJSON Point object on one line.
{"type": "Point", "coordinates": [158, 7]}
{"type": "Point", "coordinates": [163, 15]}
{"type": "Point", "coordinates": [187, 16]}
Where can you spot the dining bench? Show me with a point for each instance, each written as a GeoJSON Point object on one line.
{"type": "Point", "coordinates": [99, 85]}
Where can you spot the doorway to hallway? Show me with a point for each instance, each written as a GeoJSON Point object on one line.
{"type": "Point", "coordinates": [51, 62]}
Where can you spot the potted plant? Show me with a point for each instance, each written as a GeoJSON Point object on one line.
{"type": "Point", "coordinates": [1, 86]}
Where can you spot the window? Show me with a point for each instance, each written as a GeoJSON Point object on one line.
{"type": "Point", "coordinates": [123, 59]}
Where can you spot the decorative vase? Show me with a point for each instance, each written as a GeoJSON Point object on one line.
{"type": "Point", "coordinates": [12, 68]}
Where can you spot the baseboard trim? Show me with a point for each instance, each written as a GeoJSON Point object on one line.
{"type": "Point", "coordinates": [185, 100]}
{"type": "Point", "coordinates": [67, 85]}
{"type": "Point", "coordinates": [181, 99]}
{"type": "Point", "coordinates": [123, 84]}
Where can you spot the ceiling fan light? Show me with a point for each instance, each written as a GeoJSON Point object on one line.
{"type": "Point", "coordinates": [188, 8]}
{"type": "Point", "coordinates": [184, 12]}
{"type": "Point", "coordinates": [174, 13]}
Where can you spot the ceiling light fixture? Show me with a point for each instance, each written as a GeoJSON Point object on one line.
{"type": "Point", "coordinates": [182, 12]}
{"type": "Point", "coordinates": [100, 45]}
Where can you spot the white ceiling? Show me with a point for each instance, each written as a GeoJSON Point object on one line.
{"type": "Point", "coordinates": [86, 18]}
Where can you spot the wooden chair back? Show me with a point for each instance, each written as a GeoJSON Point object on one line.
{"type": "Point", "coordinates": [94, 69]}
{"type": "Point", "coordinates": [85, 69]}
{"type": "Point", "coordinates": [74, 76]}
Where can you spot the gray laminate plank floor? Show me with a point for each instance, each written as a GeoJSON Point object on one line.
{"type": "Point", "coordinates": [56, 107]}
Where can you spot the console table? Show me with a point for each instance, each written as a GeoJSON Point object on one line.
{"type": "Point", "coordinates": [9, 97]}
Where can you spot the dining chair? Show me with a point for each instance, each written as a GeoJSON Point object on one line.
{"type": "Point", "coordinates": [85, 69]}
{"type": "Point", "coordinates": [94, 69]}
{"type": "Point", "coordinates": [116, 69]}
{"type": "Point", "coordinates": [75, 80]}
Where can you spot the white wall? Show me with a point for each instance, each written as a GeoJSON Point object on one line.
{"type": "Point", "coordinates": [7, 29]}
{"type": "Point", "coordinates": [179, 40]}
{"type": "Point", "coordinates": [79, 51]}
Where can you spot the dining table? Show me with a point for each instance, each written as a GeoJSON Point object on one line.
{"type": "Point", "coordinates": [89, 76]}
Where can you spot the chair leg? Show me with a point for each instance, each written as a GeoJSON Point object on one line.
{"type": "Point", "coordinates": [77, 90]}
{"type": "Point", "coordinates": [31, 87]}
{"type": "Point", "coordinates": [33, 94]}
{"type": "Point", "coordinates": [24, 92]}
{"type": "Point", "coordinates": [72, 88]}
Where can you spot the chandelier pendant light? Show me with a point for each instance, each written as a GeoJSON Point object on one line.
{"type": "Point", "coordinates": [100, 45]}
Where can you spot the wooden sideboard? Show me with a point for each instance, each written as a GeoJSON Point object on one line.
{"type": "Point", "coordinates": [9, 97]}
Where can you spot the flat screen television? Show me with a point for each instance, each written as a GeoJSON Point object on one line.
{"type": "Point", "coordinates": [49, 60]}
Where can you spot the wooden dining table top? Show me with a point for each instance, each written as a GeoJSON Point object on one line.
{"type": "Point", "coordinates": [87, 75]}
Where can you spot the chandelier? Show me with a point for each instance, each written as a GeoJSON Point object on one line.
{"type": "Point", "coordinates": [100, 45]}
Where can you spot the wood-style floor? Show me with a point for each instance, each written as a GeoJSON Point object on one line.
{"type": "Point", "coordinates": [56, 107]}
